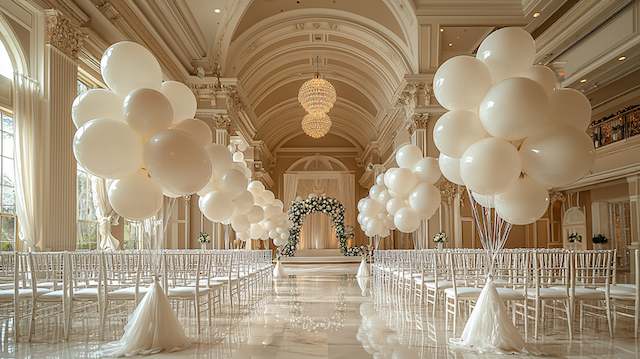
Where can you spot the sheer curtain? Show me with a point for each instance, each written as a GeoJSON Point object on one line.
{"type": "Point", "coordinates": [290, 189]}
{"type": "Point", "coordinates": [26, 101]}
{"type": "Point", "coordinates": [317, 232]}
{"type": "Point", "coordinates": [105, 213]}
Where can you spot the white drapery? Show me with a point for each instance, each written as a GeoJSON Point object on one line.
{"type": "Point", "coordinates": [26, 100]}
{"type": "Point", "coordinates": [105, 213]}
{"type": "Point", "coordinates": [317, 232]}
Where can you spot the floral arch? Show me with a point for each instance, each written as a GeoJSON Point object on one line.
{"type": "Point", "coordinates": [328, 205]}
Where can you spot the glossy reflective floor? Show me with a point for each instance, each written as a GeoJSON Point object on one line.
{"type": "Point", "coordinates": [321, 311]}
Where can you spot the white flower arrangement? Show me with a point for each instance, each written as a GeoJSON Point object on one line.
{"type": "Point", "coordinates": [440, 237]}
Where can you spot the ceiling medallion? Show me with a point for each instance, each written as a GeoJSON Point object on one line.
{"type": "Point", "coordinates": [316, 124]}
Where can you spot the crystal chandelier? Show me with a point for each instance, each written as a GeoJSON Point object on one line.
{"type": "Point", "coordinates": [316, 124]}
{"type": "Point", "coordinates": [317, 95]}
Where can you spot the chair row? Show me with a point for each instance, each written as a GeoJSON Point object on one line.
{"type": "Point", "coordinates": [202, 279]}
{"type": "Point", "coordinates": [530, 281]}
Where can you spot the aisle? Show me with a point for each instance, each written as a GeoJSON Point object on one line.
{"type": "Point", "coordinates": [322, 311]}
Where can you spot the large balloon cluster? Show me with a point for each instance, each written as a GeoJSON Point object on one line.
{"type": "Point", "coordinates": [229, 198]}
{"type": "Point", "coordinates": [511, 131]}
{"type": "Point", "coordinates": [402, 196]}
{"type": "Point", "coordinates": [140, 133]}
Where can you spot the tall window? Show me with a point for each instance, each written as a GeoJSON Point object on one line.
{"type": "Point", "coordinates": [87, 221]}
{"type": "Point", "coordinates": [8, 221]}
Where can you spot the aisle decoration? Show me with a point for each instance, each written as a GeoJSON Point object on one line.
{"type": "Point", "coordinates": [440, 239]}
{"type": "Point", "coordinates": [314, 203]}
{"type": "Point", "coordinates": [401, 197]}
{"type": "Point", "coordinates": [140, 135]}
{"type": "Point", "coordinates": [510, 134]}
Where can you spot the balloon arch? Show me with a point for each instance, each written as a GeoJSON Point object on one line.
{"type": "Point", "coordinates": [330, 206]}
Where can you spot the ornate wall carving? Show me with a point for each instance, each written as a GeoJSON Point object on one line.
{"type": "Point", "coordinates": [62, 34]}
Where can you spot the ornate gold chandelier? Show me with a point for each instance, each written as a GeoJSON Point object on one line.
{"type": "Point", "coordinates": [316, 124]}
{"type": "Point", "coordinates": [317, 96]}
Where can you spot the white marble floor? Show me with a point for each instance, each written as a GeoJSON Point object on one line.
{"type": "Point", "coordinates": [321, 311]}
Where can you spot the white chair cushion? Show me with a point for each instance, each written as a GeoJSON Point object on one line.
{"type": "Point", "coordinates": [510, 293]}
{"type": "Point", "coordinates": [548, 293]}
{"type": "Point", "coordinates": [85, 293]}
{"type": "Point", "coordinates": [588, 293]}
{"type": "Point", "coordinates": [621, 291]}
{"type": "Point", "coordinates": [52, 296]}
{"type": "Point", "coordinates": [127, 293]}
{"type": "Point", "coordinates": [463, 292]}
{"type": "Point", "coordinates": [7, 294]}
{"type": "Point", "coordinates": [182, 292]}
{"type": "Point", "coordinates": [443, 284]}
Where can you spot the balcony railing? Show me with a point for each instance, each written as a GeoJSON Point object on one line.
{"type": "Point", "coordinates": [617, 127]}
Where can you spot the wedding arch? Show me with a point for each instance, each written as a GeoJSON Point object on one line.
{"type": "Point", "coordinates": [323, 204]}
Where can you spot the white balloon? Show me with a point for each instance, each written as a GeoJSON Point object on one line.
{"type": "Point", "coordinates": [508, 52]}
{"type": "Point", "coordinates": [238, 157]}
{"type": "Point", "coordinates": [427, 170]}
{"type": "Point", "coordinates": [270, 212]}
{"type": "Point", "coordinates": [108, 148]}
{"type": "Point", "coordinates": [255, 187]}
{"type": "Point", "coordinates": [406, 220]}
{"type": "Point", "coordinates": [383, 197]}
{"type": "Point", "coordinates": [135, 197]}
{"type": "Point", "coordinates": [147, 111]}
{"type": "Point", "coordinates": [220, 158]}
{"type": "Point", "coordinates": [212, 185]}
{"type": "Point", "coordinates": [450, 168]}
{"type": "Point", "coordinates": [380, 179]}
{"type": "Point", "coordinates": [170, 194]}
{"type": "Point", "coordinates": [239, 223]}
{"type": "Point", "coordinates": [461, 82]}
{"type": "Point", "coordinates": [268, 197]}
{"type": "Point", "coordinates": [96, 103]}
{"type": "Point", "coordinates": [126, 66]}
{"type": "Point", "coordinates": [255, 214]}
{"type": "Point", "coordinates": [455, 131]}
{"type": "Point", "coordinates": [514, 109]}
{"type": "Point", "coordinates": [256, 231]}
{"type": "Point", "coordinates": [408, 155]}
{"type": "Point", "coordinates": [182, 100]}
{"type": "Point", "coordinates": [559, 157]}
{"type": "Point", "coordinates": [484, 200]}
{"type": "Point", "coordinates": [243, 202]}
{"type": "Point", "coordinates": [544, 76]}
{"type": "Point", "coordinates": [490, 166]}
{"type": "Point", "coordinates": [400, 181]}
{"type": "Point", "coordinates": [233, 182]}
{"type": "Point", "coordinates": [176, 163]}
{"type": "Point", "coordinates": [198, 130]}
{"type": "Point", "coordinates": [523, 202]}
{"type": "Point", "coordinates": [375, 227]}
{"type": "Point", "coordinates": [393, 205]}
{"type": "Point", "coordinates": [278, 203]}
{"type": "Point", "coordinates": [217, 206]}
{"type": "Point", "coordinates": [376, 190]}
{"type": "Point", "coordinates": [425, 199]}
{"type": "Point", "coordinates": [371, 207]}
{"type": "Point", "coordinates": [571, 107]}
{"type": "Point", "coordinates": [360, 217]}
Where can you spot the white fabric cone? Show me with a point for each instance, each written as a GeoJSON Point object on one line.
{"type": "Point", "coordinates": [152, 328]}
{"type": "Point", "coordinates": [363, 269]}
{"type": "Point", "coordinates": [363, 283]}
{"type": "Point", "coordinates": [489, 328]}
{"type": "Point", "coordinates": [278, 271]}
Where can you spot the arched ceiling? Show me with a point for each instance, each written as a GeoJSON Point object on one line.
{"type": "Point", "coordinates": [364, 51]}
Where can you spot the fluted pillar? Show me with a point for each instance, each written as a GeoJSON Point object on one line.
{"type": "Point", "coordinates": [634, 216]}
{"type": "Point", "coordinates": [418, 130]}
{"type": "Point", "coordinates": [59, 218]}
{"type": "Point", "coordinates": [222, 124]}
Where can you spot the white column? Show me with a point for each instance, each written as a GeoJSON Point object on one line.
{"type": "Point", "coordinates": [222, 123]}
{"type": "Point", "coordinates": [59, 172]}
{"type": "Point", "coordinates": [634, 215]}
{"type": "Point", "coordinates": [418, 132]}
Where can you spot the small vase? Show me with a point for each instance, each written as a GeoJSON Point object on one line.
{"type": "Point", "coordinates": [571, 246]}
{"type": "Point", "coordinates": [203, 246]}
{"type": "Point", "coordinates": [598, 246]}
{"type": "Point", "coordinates": [440, 245]}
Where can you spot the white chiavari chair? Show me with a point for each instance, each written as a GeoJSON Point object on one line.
{"type": "Point", "coordinates": [591, 285]}
{"type": "Point", "coordinates": [181, 274]}
{"type": "Point", "coordinates": [85, 283]}
{"type": "Point", "coordinates": [12, 290]}
{"type": "Point", "coordinates": [46, 269]}
{"type": "Point", "coordinates": [551, 284]}
{"type": "Point", "coordinates": [626, 297]}
{"type": "Point", "coordinates": [468, 267]}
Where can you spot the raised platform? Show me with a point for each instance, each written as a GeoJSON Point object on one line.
{"type": "Point", "coordinates": [305, 256]}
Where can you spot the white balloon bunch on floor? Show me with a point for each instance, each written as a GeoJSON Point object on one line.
{"type": "Point", "coordinates": [140, 133]}
{"type": "Point", "coordinates": [511, 131]}
{"type": "Point", "coordinates": [402, 196]}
